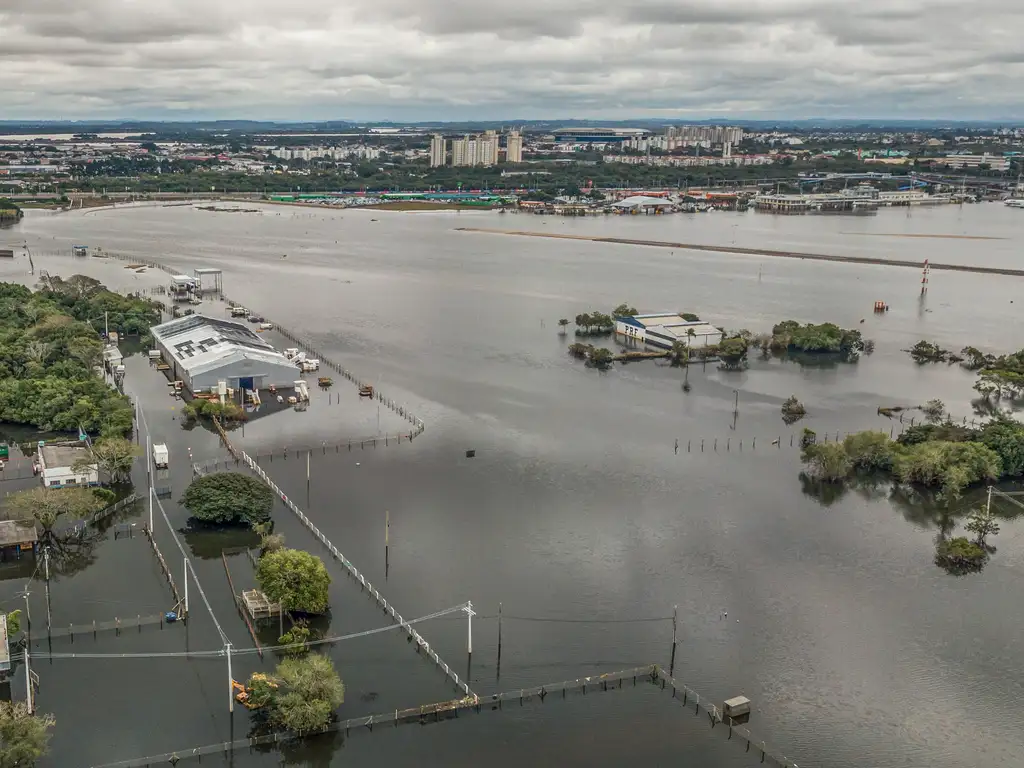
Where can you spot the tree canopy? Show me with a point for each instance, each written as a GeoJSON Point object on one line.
{"type": "Point", "coordinates": [297, 580]}
{"type": "Point", "coordinates": [944, 464]}
{"type": "Point", "coordinates": [24, 738]}
{"type": "Point", "coordinates": [50, 506]}
{"type": "Point", "coordinates": [826, 337]}
{"type": "Point", "coordinates": [303, 693]}
{"type": "Point", "coordinates": [49, 350]}
{"type": "Point", "coordinates": [115, 456]}
{"type": "Point", "coordinates": [227, 498]}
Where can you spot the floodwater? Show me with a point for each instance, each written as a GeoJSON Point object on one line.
{"type": "Point", "coordinates": [855, 649]}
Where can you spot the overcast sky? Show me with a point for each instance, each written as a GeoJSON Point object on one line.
{"type": "Point", "coordinates": [507, 59]}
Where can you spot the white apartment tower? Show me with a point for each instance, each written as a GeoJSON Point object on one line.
{"type": "Point", "coordinates": [514, 147]}
{"type": "Point", "coordinates": [481, 149]}
{"type": "Point", "coordinates": [437, 150]}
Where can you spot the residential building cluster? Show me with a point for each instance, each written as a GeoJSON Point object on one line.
{"type": "Point", "coordinates": [343, 152]}
{"type": "Point", "coordinates": [476, 149]}
{"type": "Point", "coordinates": [690, 161]}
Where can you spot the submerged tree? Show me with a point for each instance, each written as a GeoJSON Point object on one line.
{"type": "Point", "coordinates": [562, 324]}
{"type": "Point", "coordinates": [934, 410]}
{"type": "Point", "coordinates": [959, 556]}
{"type": "Point", "coordinates": [113, 455]}
{"type": "Point", "coordinates": [310, 690]}
{"type": "Point", "coordinates": [793, 410]}
{"type": "Point", "coordinates": [297, 580]}
{"type": "Point", "coordinates": [229, 497]}
{"type": "Point", "coordinates": [827, 461]}
{"type": "Point", "coordinates": [50, 506]}
{"type": "Point", "coordinates": [982, 523]}
{"type": "Point", "coordinates": [624, 310]}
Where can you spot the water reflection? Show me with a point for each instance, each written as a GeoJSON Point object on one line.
{"type": "Point", "coordinates": [208, 542]}
{"type": "Point", "coordinates": [310, 752]}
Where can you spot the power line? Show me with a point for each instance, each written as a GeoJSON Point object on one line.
{"type": "Point", "coordinates": [184, 554]}
{"type": "Point", "coordinates": [220, 652]}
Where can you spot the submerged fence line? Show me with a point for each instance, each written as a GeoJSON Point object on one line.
{"type": "Point", "coordinates": [307, 346]}
{"type": "Point", "coordinates": [421, 644]}
{"type": "Point", "coordinates": [438, 712]}
{"type": "Point", "coordinates": [164, 568]}
{"type": "Point", "coordinates": [117, 626]}
{"type": "Point", "coordinates": [113, 509]}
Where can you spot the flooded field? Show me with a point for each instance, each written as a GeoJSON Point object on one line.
{"type": "Point", "coordinates": [577, 514]}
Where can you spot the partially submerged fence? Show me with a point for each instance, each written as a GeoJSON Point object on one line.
{"type": "Point", "coordinates": [446, 710]}
{"type": "Point", "coordinates": [113, 509]}
{"type": "Point", "coordinates": [164, 567]}
{"type": "Point", "coordinates": [117, 626]}
{"type": "Point", "coordinates": [421, 644]}
{"type": "Point", "coordinates": [238, 598]}
{"type": "Point", "coordinates": [307, 346]}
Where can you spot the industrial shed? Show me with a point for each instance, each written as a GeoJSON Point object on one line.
{"type": "Point", "coordinates": [664, 329]}
{"type": "Point", "coordinates": [203, 351]}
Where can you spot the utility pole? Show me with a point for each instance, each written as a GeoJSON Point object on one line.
{"type": "Point", "coordinates": [988, 502]}
{"type": "Point", "coordinates": [28, 683]}
{"type": "Point", "coordinates": [186, 588]}
{"type": "Point", "coordinates": [28, 619]}
{"type": "Point", "coordinates": [149, 479]}
{"type": "Point", "coordinates": [46, 565]}
{"type": "Point", "coordinates": [231, 682]}
{"type": "Point", "coordinates": [106, 327]}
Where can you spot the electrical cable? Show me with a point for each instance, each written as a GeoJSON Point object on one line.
{"type": "Point", "coordinates": [219, 652]}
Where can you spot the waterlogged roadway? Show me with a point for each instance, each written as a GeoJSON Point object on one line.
{"type": "Point", "coordinates": [854, 648]}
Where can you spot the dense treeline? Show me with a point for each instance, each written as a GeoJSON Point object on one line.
{"type": "Point", "coordinates": [150, 175]}
{"type": "Point", "coordinates": [943, 456]}
{"type": "Point", "coordinates": [49, 352]}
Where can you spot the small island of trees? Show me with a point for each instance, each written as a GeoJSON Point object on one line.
{"type": "Point", "coordinates": [9, 212]}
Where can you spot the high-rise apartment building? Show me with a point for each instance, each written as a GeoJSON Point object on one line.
{"type": "Point", "coordinates": [481, 149]}
{"type": "Point", "coordinates": [514, 147]}
{"type": "Point", "coordinates": [437, 150]}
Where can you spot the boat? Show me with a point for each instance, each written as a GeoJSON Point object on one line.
{"type": "Point", "coordinates": [1014, 202]}
{"type": "Point", "coordinates": [366, 391]}
{"type": "Point", "coordinates": [325, 381]}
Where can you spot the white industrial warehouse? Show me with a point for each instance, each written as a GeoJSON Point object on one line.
{"type": "Point", "coordinates": [203, 351]}
{"type": "Point", "coordinates": [664, 329]}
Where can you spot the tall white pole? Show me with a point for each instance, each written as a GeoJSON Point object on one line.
{"type": "Point", "coordinates": [28, 683]}
{"type": "Point", "coordinates": [988, 503]}
{"type": "Point", "coordinates": [231, 680]}
{"type": "Point", "coordinates": [186, 587]}
{"type": "Point", "coordinates": [469, 613]}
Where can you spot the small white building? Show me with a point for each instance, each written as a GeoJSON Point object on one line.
{"type": "Point", "coordinates": [664, 329]}
{"type": "Point", "coordinates": [56, 462]}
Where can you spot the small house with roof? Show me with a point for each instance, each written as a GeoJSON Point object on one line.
{"type": "Point", "coordinates": [57, 466]}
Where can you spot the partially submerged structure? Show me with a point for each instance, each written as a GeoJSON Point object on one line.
{"type": "Point", "coordinates": [16, 538]}
{"type": "Point", "coordinates": [203, 351]}
{"type": "Point", "coordinates": [662, 330]}
{"type": "Point", "coordinates": [63, 466]}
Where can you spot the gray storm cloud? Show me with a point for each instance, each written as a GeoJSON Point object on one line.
{"type": "Point", "coordinates": [459, 59]}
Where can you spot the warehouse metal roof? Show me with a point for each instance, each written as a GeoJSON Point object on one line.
{"type": "Point", "coordinates": [199, 343]}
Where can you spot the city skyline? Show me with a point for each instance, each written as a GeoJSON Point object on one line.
{"type": "Point", "coordinates": [405, 61]}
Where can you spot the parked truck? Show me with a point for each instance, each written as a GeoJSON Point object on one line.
{"type": "Point", "coordinates": [161, 456]}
